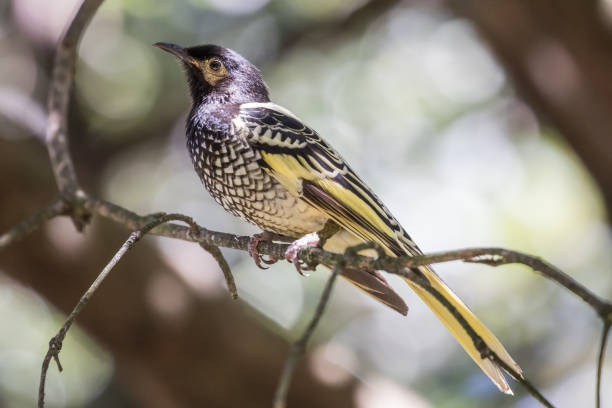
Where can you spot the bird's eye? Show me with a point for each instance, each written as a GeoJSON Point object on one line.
{"type": "Point", "coordinates": [213, 70]}
{"type": "Point", "coordinates": [215, 65]}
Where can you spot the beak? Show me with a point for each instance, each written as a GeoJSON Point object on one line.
{"type": "Point", "coordinates": [176, 50]}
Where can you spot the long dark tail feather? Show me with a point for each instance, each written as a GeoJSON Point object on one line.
{"type": "Point", "coordinates": [373, 283]}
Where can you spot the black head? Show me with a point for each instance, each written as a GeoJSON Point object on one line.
{"type": "Point", "coordinates": [219, 75]}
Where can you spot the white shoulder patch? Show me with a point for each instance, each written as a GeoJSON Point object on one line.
{"type": "Point", "coordinates": [271, 106]}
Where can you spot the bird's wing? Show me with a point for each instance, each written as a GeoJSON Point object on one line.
{"type": "Point", "coordinates": [310, 168]}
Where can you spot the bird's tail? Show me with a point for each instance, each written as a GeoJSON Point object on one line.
{"type": "Point", "coordinates": [490, 368]}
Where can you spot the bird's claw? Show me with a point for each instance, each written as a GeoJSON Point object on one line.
{"type": "Point", "coordinates": [257, 257]}
{"type": "Point", "coordinates": [291, 255]}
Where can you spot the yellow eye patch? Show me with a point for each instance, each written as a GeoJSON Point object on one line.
{"type": "Point", "coordinates": [213, 70]}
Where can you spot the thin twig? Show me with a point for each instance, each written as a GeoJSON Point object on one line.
{"type": "Point", "coordinates": [216, 253]}
{"type": "Point", "coordinates": [298, 348]}
{"type": "Point", "coordinates": [600, 360]}
{"type": "Point", "coordinates": [26, 227]}
{"type": "Point", "coordinates": [194, 232]}
{"type": "Point", "coordinates": [55, 344]}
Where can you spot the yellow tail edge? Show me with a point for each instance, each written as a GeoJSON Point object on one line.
{"type": "Point", "coordinates": [490, 368]}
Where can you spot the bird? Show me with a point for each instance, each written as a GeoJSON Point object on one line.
{"type": "Point", "coordinates": [265, 165]}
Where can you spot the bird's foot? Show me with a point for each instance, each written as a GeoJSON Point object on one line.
{"type": "Point", "coordinates": [307, 241]}
{"type": "Point", "coordinates": [257, 257]}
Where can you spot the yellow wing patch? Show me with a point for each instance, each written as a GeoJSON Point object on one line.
{"type": "Point", "coordinates": [355, 204]}
{"type": "Point", "coordinates": [290, 172]}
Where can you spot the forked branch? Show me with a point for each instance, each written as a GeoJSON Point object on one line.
{"type": "Point", "coordinates": [313, 256]}
{"type": "Point", "coordinates": [55, 344]}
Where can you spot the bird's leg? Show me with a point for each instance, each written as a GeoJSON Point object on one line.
{"type": "Point", "coordinates": [254, 242]}
{"type": "Point", "coordinates": [307, 241]}
{"type": "Point", "coordinates": [329, 229]}
{"type": "Point", "coordinates": [312, 240]}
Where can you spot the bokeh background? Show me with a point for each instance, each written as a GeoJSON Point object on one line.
{"type": "Point", "coordinates": [478, 124]}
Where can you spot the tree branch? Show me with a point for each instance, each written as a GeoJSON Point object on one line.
{"type": "Point", "coordinates": [216, 253]}
{"type": "Point", "coordinates": [58, 99]}
{"type": "Point", "coordinates": [26, 227]}
{"type": "Point", "coordinates": [600, 360]}
{"type": "Point", "coordinates": [299, 347]}
{"type": "Point", "coordinates": [314, 256]}
{"type": "Point", "coordinates": [55, 344]}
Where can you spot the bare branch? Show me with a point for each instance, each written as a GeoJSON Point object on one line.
{"type": "Point", "coordinates": [19, 231]}
{"type": "Point", "coordinates": [299, 347]}
{"type": "Point", "coordinates": [55, 344]}
{"type": "Point", "coordinates": [600, 360]}
{"type": "Point", "coordinates": [314, 256]}
{"type": "Point", "coordinates": [225, 268]}
{"type": "Point", "coordinates": [212, 240]}
{"type": "Point", "coordinates": [58, 99]}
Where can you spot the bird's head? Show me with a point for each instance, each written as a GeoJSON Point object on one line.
{"type": "Point", "coordinates": [219, 75]}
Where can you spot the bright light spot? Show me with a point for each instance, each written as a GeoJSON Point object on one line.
{"type": "Point", "coordinates": [167, 296]}
{"type": "Point", "coordinates": [477, 147]}
{"type": "Point", "coordinates": [235, 7]}
{"type": "Point", "coordinates": [18, 69]}
{"type": "Point", "coordinates": [380, 392]}
{"type": "Point", "coordinates": [277, 292]}
{"type": "Point", "coordinates": [322, 9]}
{"type": "Point", "coordinates": [333, 363]}
{"type": "Point", "coordinates": [18, 109]}
{"type": "Point", "coordinates": [196, 266]}
{"type": "Point", "coordinates": [606, 11]}
{"type": "Point", "coordinates": [44, 20]}
{"type": "Point", "coordinates": [118, 77]}
{"type": "Point", "coordinates": [459, 66]}
{"type": "Point", "coordinates": [64, 237]}
{"type": "Point", "coordinates": [27, 324]}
